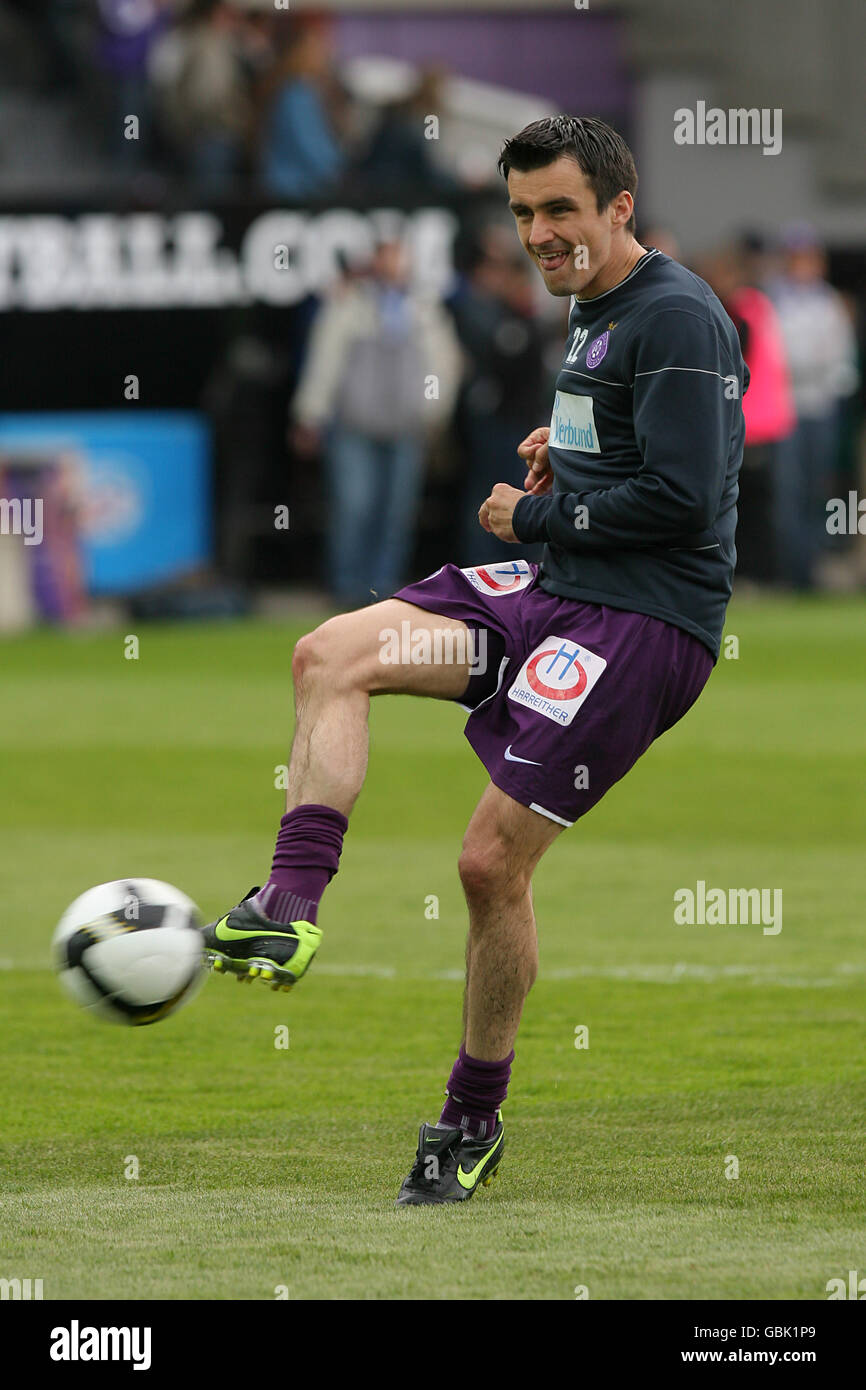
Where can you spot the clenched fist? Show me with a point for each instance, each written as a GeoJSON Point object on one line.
{"type": "Point", "coordinates": [495, 514]}
{"type": "Point", "coordinates": [533, 451]}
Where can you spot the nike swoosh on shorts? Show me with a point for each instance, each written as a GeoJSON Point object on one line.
{"type": "Point", "coordinates": [513, 758]}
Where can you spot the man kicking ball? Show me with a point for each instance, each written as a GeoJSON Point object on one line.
{"type": "Point", "coordinates": [591, 655]}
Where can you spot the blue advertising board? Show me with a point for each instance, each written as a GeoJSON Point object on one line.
{"type": "Point", "coordinates": [145, 485]}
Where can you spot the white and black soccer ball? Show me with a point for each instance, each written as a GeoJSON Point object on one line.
{"type": "Point", "coordinates": [130, 951]}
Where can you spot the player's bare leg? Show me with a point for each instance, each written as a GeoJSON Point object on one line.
{"type": "Point", "coordinates": [503, 844]}
{"type": "Point", "coordinates": [272, 934]}
{"type": "Point", "coordinates": [462, 1152]}
{"type": "Point", "coordinates": [336, 669]}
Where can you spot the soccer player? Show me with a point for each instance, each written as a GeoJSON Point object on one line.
{"type": "Point", "coordinates": [591, 655]}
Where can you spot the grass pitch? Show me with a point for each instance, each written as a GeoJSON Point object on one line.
{"type": "Point", "coordinates": [267, 1171]}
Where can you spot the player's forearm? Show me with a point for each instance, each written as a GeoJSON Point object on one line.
{"type": "Point", "coordinates": [645, 511]}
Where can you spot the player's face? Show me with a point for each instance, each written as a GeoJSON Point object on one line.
{"type": "Point", "coordinates": [560, 225]}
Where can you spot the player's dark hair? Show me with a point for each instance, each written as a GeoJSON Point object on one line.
{"type": "Point", "coordinates": [598, 150]}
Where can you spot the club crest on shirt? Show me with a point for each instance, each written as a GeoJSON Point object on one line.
{"type": "Point", "coordinates": [596, 351]}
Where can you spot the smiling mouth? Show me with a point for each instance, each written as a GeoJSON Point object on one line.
{"type": "Point", "coordinates": [552, 260]}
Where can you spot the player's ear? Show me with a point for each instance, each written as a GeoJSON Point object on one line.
{"type": "Point", "coordinates": [622, 207]}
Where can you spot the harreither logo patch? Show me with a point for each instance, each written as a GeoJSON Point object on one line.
{"type": "Point", "coordinates": [556, 678]}
{"type": "Point", "coordinates": [499, 580]}
{"type": "Point", "coordinates": [572, 424]}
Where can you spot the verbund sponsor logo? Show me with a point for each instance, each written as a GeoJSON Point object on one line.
{"type": "Point", "coordinates": [572, 424]}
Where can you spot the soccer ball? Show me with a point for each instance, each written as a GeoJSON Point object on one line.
{"type": "Point", "coordinates": [130, 951]}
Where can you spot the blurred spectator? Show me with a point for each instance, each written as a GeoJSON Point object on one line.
{"type": "Point", "coordinates": [399, 155]}
{"type": "Point", "coordinates": [768, 408]}
{"type": "Point", "coordinates": [300, 155]}
{"type": "Point", "coordinates": [503, 394]}
{"type": "Point", "coordinates": [821, 351]}
{"type": "Point", "coordinates": [203, 93]}
{"type": "Point", "coordinates": [758, 258]}
{"type": "Point", "coordinates": [126, 31]}
{"type": "Point", "coordinates": [44, 581]}
{"type": "Point", "coordinates": [662, 238]}
{"type": "Point", "coordinates": [361, 399]}
{"type": "Point", "coordinates": [852, 406]}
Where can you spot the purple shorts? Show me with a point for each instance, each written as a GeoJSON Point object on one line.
{"type": "Point", "coordinates": [567, 695]}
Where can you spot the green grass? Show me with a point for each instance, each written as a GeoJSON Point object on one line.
{"type": "Point", "coordinates": [261, 1167]}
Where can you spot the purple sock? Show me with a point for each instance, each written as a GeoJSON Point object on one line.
{"type": "Point", "coordinates": [475, 1092]}
{"type": "Point", "coordinates": [305, 860]}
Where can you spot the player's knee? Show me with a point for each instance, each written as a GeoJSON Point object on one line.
{"type": "Point", "coordinates": [489, 869]}
{"type": "Point", "coordinates": [330, 656]}
{"type": "Point", "coordinates": [314, 654]}
{"type": "Point", "coordinates": [477, 869]}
